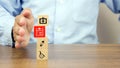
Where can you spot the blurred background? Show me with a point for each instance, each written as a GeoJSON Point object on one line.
{"type": "Point", "coordinates": [108, 26]}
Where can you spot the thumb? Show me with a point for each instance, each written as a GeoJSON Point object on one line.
{"type": "Point", "coordinates": [27, 13]}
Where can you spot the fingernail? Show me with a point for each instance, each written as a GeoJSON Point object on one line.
{"type": "Point", "coordinates": [17, 45]}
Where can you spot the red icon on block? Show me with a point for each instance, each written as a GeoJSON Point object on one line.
{"type": "Point", "coordinates": [39, 31]}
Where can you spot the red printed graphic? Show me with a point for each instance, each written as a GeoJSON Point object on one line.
{"type": "Point", "coordinates": [39, 31]}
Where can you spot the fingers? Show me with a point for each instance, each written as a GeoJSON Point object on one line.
{"type": "Point", "coordinates": [29, 18]}
{"type": "Point", "coordinates": [17, 45]}
{"type": "Point", "coordinates": [19, 31]}
{"type": "Point", "coordinates": [19, 34]}
{"type": "Point", "coordinates": [22, 28]}
{"type": "Point", "coordinates": [27, 13]}
{"type": "Point", "coordinates": [26, 19]}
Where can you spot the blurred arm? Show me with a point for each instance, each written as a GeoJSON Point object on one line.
{"type": "Point", "coordinates": [8, 10]}
{"type": "Point", "coordinates": [114, 5]}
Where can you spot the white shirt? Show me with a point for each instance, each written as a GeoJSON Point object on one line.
{"type": "Point", "coordinates": [70, 21]}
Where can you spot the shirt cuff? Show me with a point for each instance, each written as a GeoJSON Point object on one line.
{"type": "Point", "coordinates": [13, 41]}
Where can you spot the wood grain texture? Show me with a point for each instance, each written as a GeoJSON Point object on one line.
{"type": "Point", "coordinates": [63, 56]}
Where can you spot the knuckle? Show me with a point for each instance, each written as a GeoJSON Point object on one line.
{"type": "Point", "coordinates": [18, 18]}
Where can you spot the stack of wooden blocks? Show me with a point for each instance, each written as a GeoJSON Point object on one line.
{"type": "Point", "coordinates": [42, 40]}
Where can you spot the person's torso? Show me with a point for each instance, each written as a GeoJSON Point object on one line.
{"type": "Point", "coordinates": [70, 21]}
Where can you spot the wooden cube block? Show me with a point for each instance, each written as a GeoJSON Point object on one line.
{"type": "Point", "coordinates": [43, 20]}
{"type": "Point", "coordinates": [42, 54]}
{"type": "Point", "coordinates": [39, 31]}
{"type": "Point", "coordinates": [42, 48]}
{"type": "Point", "coordinates": [42, 43]}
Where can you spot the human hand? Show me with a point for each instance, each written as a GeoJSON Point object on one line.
{"type": "Point", "coordinates": [22, 27]}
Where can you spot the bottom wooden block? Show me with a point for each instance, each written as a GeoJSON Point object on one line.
{"type": "Point", "coordinates": [42, 54]}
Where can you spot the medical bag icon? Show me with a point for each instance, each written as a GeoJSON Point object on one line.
{"type": "Point", "coordinates": [43, 20]}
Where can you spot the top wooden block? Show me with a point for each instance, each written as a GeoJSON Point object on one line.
{"type": "Point", "coordinates": [43, 20]}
